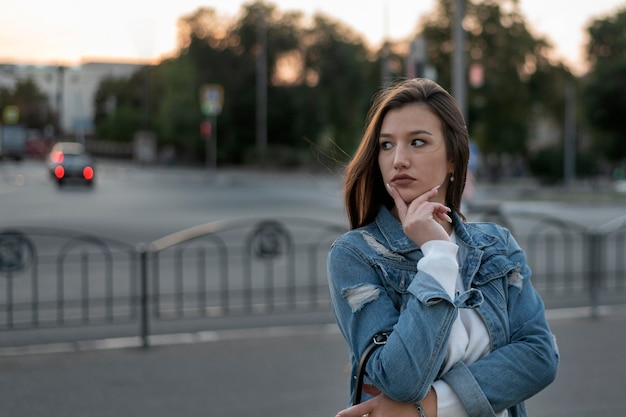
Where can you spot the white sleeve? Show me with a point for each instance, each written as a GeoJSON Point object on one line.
{"type": "Point", "coordinates": [448, 403]}
{"type": "Point", "coordinates": [440, 262]}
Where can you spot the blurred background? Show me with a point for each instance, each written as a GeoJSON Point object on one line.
{"type": "Point", "coordinates": [170, 179]}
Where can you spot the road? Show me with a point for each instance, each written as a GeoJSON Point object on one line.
{"type": "Point", "coordinates": [138, 204]}
{"type": "Point", "coordinates": [276, 372]}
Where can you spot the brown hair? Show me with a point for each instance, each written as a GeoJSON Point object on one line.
{"type": "Point", "coordinates": [364, 191]}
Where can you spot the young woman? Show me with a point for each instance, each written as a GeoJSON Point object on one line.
{"type": "Point", "coordinates": [467, 333]}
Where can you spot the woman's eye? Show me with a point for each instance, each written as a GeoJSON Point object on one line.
{"type": "Point", "coordinates": [385, 145]}
{"type": "Point", "coordinates": [417, 142]}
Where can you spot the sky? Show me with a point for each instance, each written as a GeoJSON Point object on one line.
{"type": "Point", "coordinates": [69, 32]}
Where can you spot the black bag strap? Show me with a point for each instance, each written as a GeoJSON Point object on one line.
{"type": "Point", "coordinates": [378, 340]}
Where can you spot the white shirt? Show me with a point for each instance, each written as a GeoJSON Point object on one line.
{"type": "Point", "coordinates": [469, 339]}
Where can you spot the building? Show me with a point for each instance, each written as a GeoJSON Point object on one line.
{"type": "Point", "coordinates": [70, 89]}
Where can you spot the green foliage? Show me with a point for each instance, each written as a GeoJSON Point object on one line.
{"type": "Point", "coordinates": [547, 165]}
{"type": "Point", "coordinates": [178, 113]}
{"type": "Point", "coordinates": [122, 106]}
{"type": "Point", "coordinates": [320, 78]}
{"type": "Point", "coordinates": [35, 113]}
{"type": "Point", "coordinates": [329, 92]}
{"type": "Point", "coordinates": [121, 126]}
{"type": "Point", "coordinates": [517, 75]}
{"type": "Point", "coordinates": [605, 87]}
{"type": "Point", "coordinates": [323, 98]}
{"type": "Point", "coordinates": [338, 59]}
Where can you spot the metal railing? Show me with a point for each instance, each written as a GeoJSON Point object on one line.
{"type": "Point", "coordinates": [53, 278]}
{"type": "Point", "coordinates": [239, 268]}
{"type": "Point", "coordinates": [58, 278]}
{"type": "Point", "coordinates": [573, 265]}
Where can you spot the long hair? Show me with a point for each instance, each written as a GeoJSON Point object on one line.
{"type": "Point", "coordinates": [364, 191]}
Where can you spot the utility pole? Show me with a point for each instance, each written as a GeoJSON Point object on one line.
{"type": "Point", "coordinates": [459, 66]}
{"type": "Point", "coordinates": [416, 67]}
{"type": "Point", "coordinates": [569, 136]}
{"type": "Point", "coordinates": [384, 62]}
{"type": "Point", "coordinates": [385, 52]}
{"type": "Point", "coordinates": [60, 99]}
{"type": "Point", "coordinates": [261, 87]}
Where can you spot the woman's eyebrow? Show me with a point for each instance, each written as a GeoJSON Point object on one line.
{"type": "Point", "coordinates": [410, 133]}
{"type": "Point", "coordinates": [420, 131]}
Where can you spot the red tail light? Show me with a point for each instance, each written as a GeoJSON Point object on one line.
{"type": "Point", "coordinates": [59, 172]}
{"type": "Point", "coordinates": [88, 173]}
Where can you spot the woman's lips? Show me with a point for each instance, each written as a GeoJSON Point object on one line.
{"type": "Point", "coordinates": [401, 180]}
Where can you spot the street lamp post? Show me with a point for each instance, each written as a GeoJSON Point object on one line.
{"type": "Point", "coordinates": [261, 88]}
{"type": "Point", "coordinates": [459, 72]}
{"type": "Point", "coordinates": [60, 98]}
{"type": "Point", "coordinates": [569, 137]}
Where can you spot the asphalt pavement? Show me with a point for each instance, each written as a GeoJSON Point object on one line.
{"type": "Point", "coordinates": [278, 372]}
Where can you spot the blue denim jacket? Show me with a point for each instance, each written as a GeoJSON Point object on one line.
{"type": "Point", "coordinates": [376, 287]}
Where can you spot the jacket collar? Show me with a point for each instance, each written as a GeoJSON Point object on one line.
{"type": "Point", "coordinates": [470, 234]}
{"type": "Point", "coordinates": [391, 228]}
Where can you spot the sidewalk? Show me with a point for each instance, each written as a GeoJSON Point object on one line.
{"type": "Point", "coordinates": [590, 381]}
{"type": "Point", "coordinates": [279, 372]}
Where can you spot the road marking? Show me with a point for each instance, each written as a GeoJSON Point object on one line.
{"type": "Point", "coordinates": [206, 336]}
{"type": "Point", "coordinates": [171, 339]}
{"type": "Point", "coordinates": [583, 312]}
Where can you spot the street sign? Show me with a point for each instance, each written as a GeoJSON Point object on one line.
{"type": "Point", "coordinates": [205, 129]}
{"type": "Point", "coordinates": [10, 114]}
{"type": "Point", "coordinates": [211, 99]}
{"type": "Point", "coordinates": [16, 252]}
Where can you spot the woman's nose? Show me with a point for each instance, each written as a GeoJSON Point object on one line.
{"type": "Point", "coordinates": [400, 159]}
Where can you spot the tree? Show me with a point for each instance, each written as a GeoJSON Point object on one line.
{"type": "Point", "coordinates": [224, 52]}
{"type": "Point", "coordinates": [178, 112]}
{"type": "Point", "coordinates": [337, 64]}
{"type": "Point", "coordinates": [605, 86]}
{"type": "Point", "coordinates": [35, 112]}
{"type": "Point", "coordinates": [515, 66]}
{"type": "Point", "coordinates": [318, 77]}
{"type": "Point", "coordinates": [321, 77]}
{"type": "Point", "coordinates": [122, 106]}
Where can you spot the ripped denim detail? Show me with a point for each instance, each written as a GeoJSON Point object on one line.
{"type": "Point", "coordinates": [380, 248]}
{"type": "Point", "coordinates": [357, 297]}
{"type": "Point", "coordinates": [516, 279]}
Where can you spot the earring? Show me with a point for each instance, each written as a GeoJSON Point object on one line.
{"type": "Point", "coordinates": [451, 177]}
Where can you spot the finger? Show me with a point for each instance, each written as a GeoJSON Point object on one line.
{"type": "Point", "coordinates": [441, 213]}
{"type": "Point", "coordinates": [444, 217]}
{"type": "Point", "coordinates": [399, 202]}
{"type": "Point", "coordinates": [358, 410]}
{"type": "Point", "coordinates": [426, 196]}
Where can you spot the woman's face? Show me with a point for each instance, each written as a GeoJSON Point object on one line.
{"type": "Point", "coordinates": [412, 154]}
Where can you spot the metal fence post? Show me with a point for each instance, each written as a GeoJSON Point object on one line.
{"type": "Point", "coordinates": [144, 314]}
{"type": "Point", "coordinates": [594, 262]}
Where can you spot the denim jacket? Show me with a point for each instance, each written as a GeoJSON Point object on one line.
{"type": "Point", "coordinates": [375, 287]}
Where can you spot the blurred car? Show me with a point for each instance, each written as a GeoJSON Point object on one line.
{"type": "Point", "coordinates": [70, 161]}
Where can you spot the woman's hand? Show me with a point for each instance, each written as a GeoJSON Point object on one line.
{"type": "Point", "coordinates": [383, 406]}
{"type": "Point", "coordinates": [420, 218]}
{"type": "Point", "coordinates": [380, 406]}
